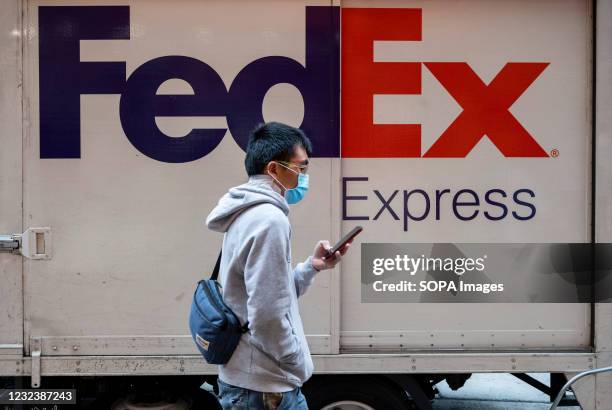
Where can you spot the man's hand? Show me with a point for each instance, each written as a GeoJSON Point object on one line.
{"type": "Point", "coordinates": [321, 262]}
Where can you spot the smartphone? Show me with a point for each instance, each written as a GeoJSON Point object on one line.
{"type": "Point", "coordinates": [353, 233]}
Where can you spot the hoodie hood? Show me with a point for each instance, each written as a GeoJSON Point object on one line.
{"type": "Point", "coordinates": [259, 188]}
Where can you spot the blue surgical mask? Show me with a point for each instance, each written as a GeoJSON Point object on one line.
{"type": "Point", "coordinates": [295, 195]}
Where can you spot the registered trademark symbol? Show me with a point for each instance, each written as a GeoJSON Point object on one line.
{"type": "Point", "coordinates": [554, 153]}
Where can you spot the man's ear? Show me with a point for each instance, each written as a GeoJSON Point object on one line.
{"type": "Point", "coordinates": [271, 168]}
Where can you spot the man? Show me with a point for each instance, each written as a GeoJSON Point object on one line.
{"type": "Point", "coordinates": [272, 360]}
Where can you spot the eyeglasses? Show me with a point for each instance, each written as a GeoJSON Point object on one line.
{"type": "Point", "coordinates": [302, 168]}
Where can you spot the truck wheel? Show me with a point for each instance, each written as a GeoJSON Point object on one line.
{"type": "Point", "coordinates": [354, 393]}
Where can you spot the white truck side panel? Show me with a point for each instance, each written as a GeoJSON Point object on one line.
{"type": "Point", "coordinates": [129, 236]}
{"type": "Point", "coordinates": [555, 109]}
{"type": "Point", "coordinates": [127, 250]}
{"type": "Point", "coordinates": [11, 305]}
{"type": "Point", "coordinates": [603, 231]}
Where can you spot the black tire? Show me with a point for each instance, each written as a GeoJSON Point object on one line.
{"type": "Point", "coordinates": [373, 391]}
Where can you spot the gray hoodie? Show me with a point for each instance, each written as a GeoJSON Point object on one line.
{"type": "Point", "coordinates": [260, 286]}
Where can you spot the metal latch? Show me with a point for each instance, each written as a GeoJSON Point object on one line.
{"type": "Point", "coordinates": [10, 243]}
{"type": "Point", "coordinates": [35, 243]}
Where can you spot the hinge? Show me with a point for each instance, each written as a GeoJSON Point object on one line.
{"type": "Point", "coordinates": [36, 348]}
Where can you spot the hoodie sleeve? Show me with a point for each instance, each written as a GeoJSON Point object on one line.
{"type": "Point", "coordinates": [268, 286]}
{"type": "Point", "coordinates": [303, 275]}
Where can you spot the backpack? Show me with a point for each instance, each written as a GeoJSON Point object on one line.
{"type": "Point", "coordinates": [215, 328]}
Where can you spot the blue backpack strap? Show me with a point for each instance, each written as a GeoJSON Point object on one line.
{"type": "Point", "coordinates": [216, 269]}
{"type": "Point", "coordinates": [244, 328]}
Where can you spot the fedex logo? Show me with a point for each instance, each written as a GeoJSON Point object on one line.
{"type": "Point", "coordinates": [64, 78]}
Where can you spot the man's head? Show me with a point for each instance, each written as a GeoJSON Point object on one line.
{"type": "Point", "coordinates": [278, 150]}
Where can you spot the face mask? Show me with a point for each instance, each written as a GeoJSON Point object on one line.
{"type": "Point", "coordinates": [295, 195]}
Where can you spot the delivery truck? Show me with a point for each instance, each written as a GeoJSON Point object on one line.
{"type": "Point", "coordinates": [124, 121]}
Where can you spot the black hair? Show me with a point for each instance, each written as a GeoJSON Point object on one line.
{"type": "Point", "coordinates": [273, 141]}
